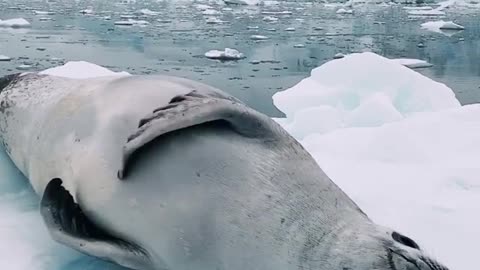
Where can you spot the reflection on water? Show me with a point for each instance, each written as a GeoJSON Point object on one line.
{"type": "Point", "coordinates": [176, 39]}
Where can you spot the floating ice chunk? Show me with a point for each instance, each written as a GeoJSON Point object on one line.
{"type": "Point", "coordinates": [286, 12]}
{"type": "Point", "coordinates": [81, 70]}
{"type": "Point", "coordinates": [227, 54]}
{"type": "Point", "coordinates": [427, 12]}
{"type": "Point", "coordinates": [348, 87]}
{"type": "Point", "coordinates": [258, 37]}
{"type": "Point", "coordinates": [338, 56]}
{"type": "Point", "coordinates": [299, 46]}
{"type": "Point", "coordinates": [4, 58]}
{"type": "Point", "coordinates": [87, 11]}
{"type": "Point", "coordinates": [418, 8]}
{"type": "Point", "coordinates": [15, 23]}
{"type": "Point", "coordinates": [127, 16]}
{"type": "Point", "coordinates": [24, 67]}
{"type": "Point", "coordinates": [211, 12]}
{"type": "Point", "coordinates": [270, 19]}
{"type": "Point", "coordinates": [413, 63]}
{"type": "Point", "coordinates": [203, 7]}
{"type": "Point", "coordinates": [44, 19]}
{"type": "Point", "coordinates": [41, 12]}
{"type": "Point", "coordinates": [438, 26]}
{"type": "Point", "coordinates": [131, 22]}
{"type": "Point", "coordinates": [451, 26]}
{"type": "Point", "coordinates": [242, 2]}
{"type": "Point", "coordinates": [147, 12]}
{"type": "Point", "coordinates": [290, 29]}
{"type": "Point", "coordinates": [214, 20]}
{"type": "Point", "coordinates": [344, 11]}
{"type": "Point", "coordinates": [270, 3]}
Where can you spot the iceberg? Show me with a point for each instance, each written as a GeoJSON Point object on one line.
{"type": "Point", "coordinates": [399, 144]}
{"type": "Point", "coordinates": [386, 91]}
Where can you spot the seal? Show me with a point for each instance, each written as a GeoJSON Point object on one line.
{"type": "Point", "coordinates": [158, 172]}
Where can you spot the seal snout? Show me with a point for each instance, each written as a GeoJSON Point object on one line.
{"type": "Point", "coordinates": [405, 254]}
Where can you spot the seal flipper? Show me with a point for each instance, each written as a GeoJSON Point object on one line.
{"type": "Point", "coordinates": [194, 109]}
{"type": "Point", "coordinates": [68, 225]}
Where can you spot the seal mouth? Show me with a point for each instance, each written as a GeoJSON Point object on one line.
{"type": "Point", "coordinates": [419, 263]}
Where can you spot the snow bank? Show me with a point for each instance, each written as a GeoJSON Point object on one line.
{"type": "Point", "coordinates": [413, 163]}
{"type": "Point", "coordinates": [15, 23]}
{"type": "Point", "coordinates": [360, 90]}
{"type": "Point", "coordinates": [412, 63]}
{"type": "Point", "coordinates": [438, 26]}
{"type": "Point", "coordinates": [227, 54]}
{"type": "Point", "coordinates": [81, 70]}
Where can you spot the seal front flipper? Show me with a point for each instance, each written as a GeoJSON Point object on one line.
{"type": "Point", "coordinates": [68, 225]}
{"type": "Point", "coordinates": [194, 109]}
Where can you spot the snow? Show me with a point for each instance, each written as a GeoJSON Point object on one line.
{"type": "Point", "coordinates": [399, 144]}
{"type": "Point", "coordinates": [412, 63]}
{"type": "Point", "coordinates": [227, 54]}
{"type": "Point", "coordinates": [438, 26]}
{"type": "Point", "coordinates": [15, 23]}
{"type": "Point", "coordinates": [4, 58]}
{"type": "Point", "coordinates": [81, 70]}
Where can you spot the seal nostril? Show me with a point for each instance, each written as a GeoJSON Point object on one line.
{"type": "Point", "coordinates": [402, 239]}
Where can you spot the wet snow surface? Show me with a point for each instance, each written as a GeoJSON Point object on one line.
{"type": "Point", "coordinates": [410, 148]}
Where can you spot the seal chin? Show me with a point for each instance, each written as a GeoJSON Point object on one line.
{"type": "Point", "coordinates": [400, 259]}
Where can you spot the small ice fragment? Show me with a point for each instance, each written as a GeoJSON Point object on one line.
{"type": "Point", "coordinates": [4, 58]}
{"type": "Point", "coordinates": [338, 56]}
{"type": "Point", "coordinates": [290, 29]}
{"type": "Point", "coordinates": [413, 63]}
{"type": "Point", "coordinates": [24, 67]}
{"type": "Point", "coordinates": [15, 23]}
{"type": "Point", "coordinates": [344, 11]}
{"type": "Point", "coordinates": [299, 46]}
{"type": "Point", "coordinates": [227, 54]}
{"type": "Point", "coordinates": [258, 37]}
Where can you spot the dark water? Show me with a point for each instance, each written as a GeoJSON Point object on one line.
{"type": "Point", "coordinates": [176, 44]}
